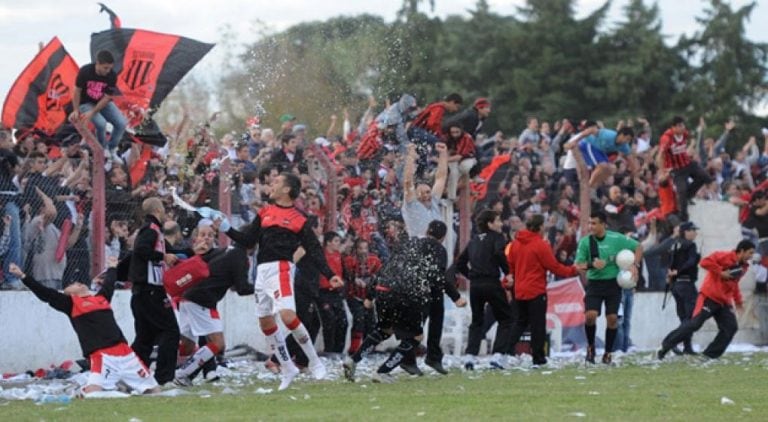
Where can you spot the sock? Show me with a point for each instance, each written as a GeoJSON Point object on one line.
{"type": "Point", "coordinates": [370, 343]}
{"type": "Point", "coordinates": [405, 347]}
{"type": "Point", "coordinates": [196, 361]}
{"type": "Point", "coordinates": [610, 338]}
{"type": "Point", "coordinates": [355, 342]}
{"type": "Point", "coordinates": [301, 335]}
{"type": "Point", "coordinates": [590, 330]}
{"type": "Point", "coordinates": [276, 344]}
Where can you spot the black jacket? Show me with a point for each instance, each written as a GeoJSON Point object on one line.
{"type": "Point", "coordinates": [468, 119]}
{"type": "Point", "coordinates": [228, 268]}
{"type": "Point", "coordinates": [685, 259]}
{"type": "Point", "coordinates": [144, 252]}
{"type": "Point", "coordinates": [441, 283]}
{"type": "Point", "coordinates": [484, 259]}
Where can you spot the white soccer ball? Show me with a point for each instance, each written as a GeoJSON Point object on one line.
{"type": "Point", "coordinates": [625, 259]}
{"type": "Point", "coordinates": [625, 280]}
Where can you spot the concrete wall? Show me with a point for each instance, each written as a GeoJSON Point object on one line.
{"type": "Point", "coordinates": [34, 335]}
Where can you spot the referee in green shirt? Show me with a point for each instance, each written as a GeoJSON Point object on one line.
{"type": "Point", "coordinates": [597, 255]}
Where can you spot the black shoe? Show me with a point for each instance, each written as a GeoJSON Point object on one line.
{"type": "Point", "coordinates": [607, 358]}
{"type": "Point", "coordinates": [690, 352]}
{"type": "Point", "coordinates": [661, 353]}
{"type": "Point", "coordinates": [590, 354]}
{"type": "Point", "coordinates": [676, 350]}
{"type": "Point", "coordinates": [411, 369]}
{"type": "Point", "coordinates": [437, 366]}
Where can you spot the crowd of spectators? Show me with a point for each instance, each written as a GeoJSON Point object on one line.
{"type": "Point", "coordinates": [46, 184]}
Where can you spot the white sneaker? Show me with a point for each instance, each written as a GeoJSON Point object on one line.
{"type": "Point", "coordinates": [497, 361]}
{"type": "Point", "coordinates": [318, 369]}
{"type": "Point", "coordinates": [287, 374]}
{"type": "Point", "coordinates": [382, 378]}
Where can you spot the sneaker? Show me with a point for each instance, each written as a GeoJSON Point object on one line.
{"type": "Point", "coordinates": [212, 376]}
{"type": "Point", "coordinates": [318, 369]}
{"type": "Point", "coordinates": [349, 369]}
{"type": "Point", "coordinates": [182, 381]}
{"type": "Point", "coordinates": [676, 351]}
{"type": "Point", "coordinates": [412, 369]}
{"type": "Point", "coordinates": [469, 363]}
{"type": "Point", "coordinates": [287, 374]}
{"type": "Point", "coordinates": [690, 352]}
{"type": "Point", "coordinates": [607, 358]}
{"type": "Point", "coordinates": [590, 355]}
{"type": "Point", "coordinates": [497, 361]}
{"type": "Point", "coordinates": [661, 353]}
{"type": "Point", "coordinates": [380, 378]}
{"type": "Point", "coordinates": [437, 366]}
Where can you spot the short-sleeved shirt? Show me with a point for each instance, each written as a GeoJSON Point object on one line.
{"type": "Point", "coordinates": [417, 216]}
{"type": "Point", "coordinates": [94, 87]}
{"type": "Point", "coordinates": [608, 247]}
{"type": "Point", "coordinates": [605, 141]}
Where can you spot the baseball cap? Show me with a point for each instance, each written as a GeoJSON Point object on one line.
{"type": "Point", "coordinates": [687, 226]}
{"type": "Point", "coordinates": [287, 118]}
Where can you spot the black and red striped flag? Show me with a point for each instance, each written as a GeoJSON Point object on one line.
{"type": "Point", "coordinates": [41, 97]}
{"type": "Point", "coordinates": [148, 66]}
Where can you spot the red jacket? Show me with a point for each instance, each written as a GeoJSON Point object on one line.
{"type": "Point", "coordinates": [529, 258]}
{"type": "Point", "coordinates": [724, 292]}
{"type": "Point", "coordinates": [431, 118]}
{"type": "Point", "coordinates": [334, 262]}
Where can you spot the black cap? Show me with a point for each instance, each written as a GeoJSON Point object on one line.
{"type": "Point", "coordinates": [687, 226]}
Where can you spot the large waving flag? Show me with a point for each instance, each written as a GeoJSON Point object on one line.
{"type": "Point", "coordinates": [148, 66]}
{"type": "Point", "coordinates": [41, 97]}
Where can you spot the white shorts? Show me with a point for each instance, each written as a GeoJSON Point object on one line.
{"type": "Point", "coordinates": [119, 363]}
{"type": "Point", "coordinates": [196, 321]}
{"type": "Point", "coordinates": [274, 288]}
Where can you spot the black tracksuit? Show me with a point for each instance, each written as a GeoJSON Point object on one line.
{"type": "Point", "coordinates": [228, 268]}
{"type": "Point", "coordinates": [306, 295]}
{"type": "Point", "coordinates": [154, 320]}
{"type": "Point", "coordinates": [685, 259]}
{"type": "Point", "coordinates": [439, 286]}
{"type": "Point", "coordinates": [483, 262]}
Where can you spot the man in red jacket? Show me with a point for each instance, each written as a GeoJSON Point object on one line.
{"type": "Point", "coordinates": [673, 156]}
{"type": "Point", "coordinates": [530, 257]}
{"type": "Point", "coordinates": [719, 291]}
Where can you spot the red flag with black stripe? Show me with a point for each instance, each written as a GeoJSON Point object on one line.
{"type": "Point", "coordinates": [41, 97]}
{"type": "Point", "coordinates": [148, 66]}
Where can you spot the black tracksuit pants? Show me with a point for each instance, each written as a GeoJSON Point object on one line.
{"type": "Point", "coordinates": [685, 295]}
{"type": "Point", "coordinates": [435, 311]}
{"type": "Point", "coordinates": [155, 324]}
{"type": "Point", "coordinates": [533, 313]}
{"type": "Point", "coordinates": [334, 319]}
{"type": "Point", "coordinates": [726, 328]}
{"type": "Point", "coordinates": [490, 292]}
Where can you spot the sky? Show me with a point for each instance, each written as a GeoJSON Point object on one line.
{"type": "Point", "coordinates": [25, 24]}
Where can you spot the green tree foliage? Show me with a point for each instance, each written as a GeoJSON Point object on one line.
{"type": "Point", "coordinates": [727, 73]}
{"type": "Point", "coordinates": [542, 61]}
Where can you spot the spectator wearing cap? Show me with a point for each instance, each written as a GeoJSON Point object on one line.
{"type": "Point", "coordinates": [683, 273]}
{"type": "Point", "coordinates": [286, 124]}
{"type": "Point", "coordinates": [472, 118]}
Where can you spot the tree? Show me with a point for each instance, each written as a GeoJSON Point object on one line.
{"type": "Point", "coordinates": [639, 72]}
{"type": "Point", "coordinates": [729, 76]}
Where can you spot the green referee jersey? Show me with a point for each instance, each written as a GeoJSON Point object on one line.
{"type": "Point", "coordinates": [608, 247]}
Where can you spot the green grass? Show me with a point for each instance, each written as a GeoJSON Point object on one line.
{"type": "Point", "coordinates": [641, 391]}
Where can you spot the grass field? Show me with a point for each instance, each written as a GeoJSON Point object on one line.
{"type": "Point", "coordinates": [638, 389]}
